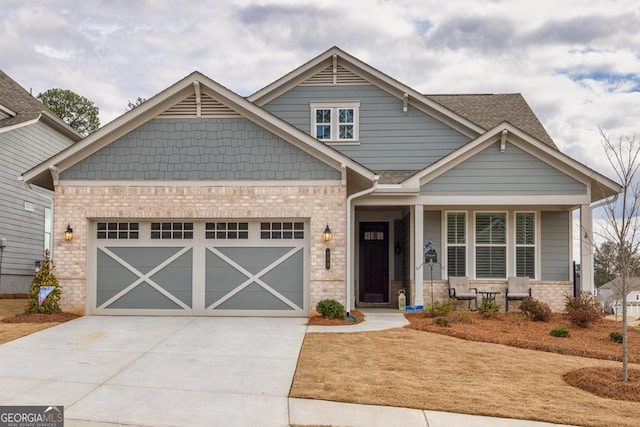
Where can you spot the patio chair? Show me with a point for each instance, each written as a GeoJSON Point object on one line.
{"type": "Point", "coordinates": [518, 288]}
{"type": "Point", "coordinates": [460, 291]}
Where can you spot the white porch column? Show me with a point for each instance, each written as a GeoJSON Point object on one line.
{"type": "Point", "coordinates": [418, 243]}
{"type": "Point", "coordinates": [586, 249]}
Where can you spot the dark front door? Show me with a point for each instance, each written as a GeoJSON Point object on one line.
{"type": "Point", "coordinates": [374, 262]}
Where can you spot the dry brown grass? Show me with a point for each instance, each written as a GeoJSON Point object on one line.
{"type": "Point", "coordinates": [15, 324]}
{"type": "Point", "coordinates": [413, 369]}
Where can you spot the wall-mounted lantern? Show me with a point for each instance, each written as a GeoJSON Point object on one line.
{"type": "Point", "coordinates": [68, 234]}
{"type": "Point", "coordinates": [327, 235]}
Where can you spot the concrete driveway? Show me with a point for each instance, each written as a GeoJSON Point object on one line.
{"type": "Point", "coordinates": [157, 370]}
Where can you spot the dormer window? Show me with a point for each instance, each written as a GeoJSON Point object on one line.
{"type": "Point", "coordinates": [335, 121]}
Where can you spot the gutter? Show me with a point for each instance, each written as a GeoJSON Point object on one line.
{"type": "Point", "coordinates": [605, 202]}
{"type": "Point", "coordinates": [350, 239]}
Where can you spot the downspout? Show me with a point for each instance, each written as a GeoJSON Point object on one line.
{"type": "Point", "coordinates": [350, 239]}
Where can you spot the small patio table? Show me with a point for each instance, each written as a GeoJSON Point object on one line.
{"type": "Point", "coordinates": [489, 295]}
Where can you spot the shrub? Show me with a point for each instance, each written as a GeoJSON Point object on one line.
{"type": "Point", "coordinates": [560, 332]}
{"type": "Point", "coordinates": [439, 309]}
{"type": "Point", "coordinates": [489, 308]}
{"type": "Point", "coordinates": [441, 321]}
{"type": "Point", "coordinates": [330, 308]}
{"type": "Point", "coordinates": [583, 309]}
{"type": "Point", "coordinates": [616, 337]}
{"type": "Point", "coordinates": [44, 277]}
{"type": "Point", "coordinates": [461, 317]}
{"type": "Point", "coordinates": [535, 310]}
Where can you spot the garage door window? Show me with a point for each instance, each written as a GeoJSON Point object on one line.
{"type": "Point", "coordinates": [118, 230]}
{"type": "Point", "coordinates": [227, 230]}
{"type": "Point", "coordinates": [281, 230]}
{"type": "Point", "coordinates": [172, 230]}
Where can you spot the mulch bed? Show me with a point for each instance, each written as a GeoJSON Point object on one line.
{"type": "Point", "coordinates": [606, 382]}
{"type": "Point", "coordinates": [40, 318]}
{"type": "Point", "coordinates": [514, 330]}
{"type": "Point", "coordinates": [318, 320]}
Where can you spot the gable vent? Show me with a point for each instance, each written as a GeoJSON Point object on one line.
{"type": "Point", "coordinates": [209, 107]}
{"type": "Point", "coordinates": [325, 77]}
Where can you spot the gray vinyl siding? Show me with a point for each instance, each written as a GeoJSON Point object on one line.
{"type": "Point", "coordinates": [515, 171]}
{"type": "Point", "coordinates": [555, 245]}
{"type": "Point", "coordinates": [389, 139]}
{"type": "Point", "coordinates": [22, 149]}
{"type": "Point", "coordinates": [433, 232]}
{"type": "Point", "coordinates": [200, 148]}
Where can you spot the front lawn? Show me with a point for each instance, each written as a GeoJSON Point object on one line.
{"type": "Point", "coordinates": [415, 369]}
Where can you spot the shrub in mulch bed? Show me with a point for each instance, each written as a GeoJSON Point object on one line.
{"type": "Point", "coordinates": [318, 320]}
{"type": "Point", "coordinates": [606, 382]}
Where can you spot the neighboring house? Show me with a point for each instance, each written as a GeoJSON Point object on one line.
{"type": "Point", "coordinates": [611, 298]}
{"type": "Point", "coordinates": [29, 134]}
{"type": "Point", "coordinates": [203, 202]}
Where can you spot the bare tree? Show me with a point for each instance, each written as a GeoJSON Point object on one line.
{"type": "Point", "coordinates": [622, 226]}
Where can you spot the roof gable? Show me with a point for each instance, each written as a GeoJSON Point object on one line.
{"type": "Point", "coordinates": [18, 107]}
{"type": "Point", "coordinates": [601, 186]}
{"type": "Point", "coordinates": [194, 96]}
{"type": "Point", "coordinates": [335, 66]}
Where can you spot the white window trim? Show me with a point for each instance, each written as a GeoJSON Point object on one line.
{"type": "Point", "coordinates": [509, 248]}
{"type": "Point", "coordinates": [334, 106]}
{"type": "Point", "coordinates": [537, 239]}
{"type": "Point", "coordinates": [445, 252]}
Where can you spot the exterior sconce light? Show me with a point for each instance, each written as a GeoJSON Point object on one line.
{"type": "Point", "coordinates": [327, 235]}
{"type": "Point", "coordinates": [68, 234]}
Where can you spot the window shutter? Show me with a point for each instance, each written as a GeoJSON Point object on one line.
{"type": "Point", "coordinates": [491, 250]}
{"type": "Point", "coordinates": [456, 241]}
{"type": "Point", "coordinates": [525, 244]}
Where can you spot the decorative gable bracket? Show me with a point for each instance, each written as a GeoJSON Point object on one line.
{"type": "Point", "coordinates": [503, 140]}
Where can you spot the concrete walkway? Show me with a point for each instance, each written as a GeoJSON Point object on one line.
{"type": "Point", "coordinates": [176, 371]}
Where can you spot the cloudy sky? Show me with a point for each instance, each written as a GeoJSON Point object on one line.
{"type": "Point", "coordinates": [577, 62]}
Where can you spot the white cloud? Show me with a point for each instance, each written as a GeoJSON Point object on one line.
{"type": "Point", "coordinates": [555, 53]}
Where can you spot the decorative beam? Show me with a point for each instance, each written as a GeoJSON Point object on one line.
{"type": "Point", "coordinates": [405, 103]}
{"type": "Point", "coordinates": [196, 86]}
{"type": "Point", "coordinates": [503, 140]}
{"type": "Point", "coordinates": [335, 69]}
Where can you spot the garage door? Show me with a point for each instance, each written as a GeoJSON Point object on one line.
{"type": "Point", "coordinates": [238, 268]}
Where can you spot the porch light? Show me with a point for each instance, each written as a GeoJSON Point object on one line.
{"type": "Point", "coordinates": [327, 235]}
{"type": "Point", "coordinates": [68, 234]}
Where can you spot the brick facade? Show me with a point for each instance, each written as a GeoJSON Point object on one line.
{"type": "Point", "coordinates": [320, 205]}
{"type": "Point", "coordinates": [552, 293]}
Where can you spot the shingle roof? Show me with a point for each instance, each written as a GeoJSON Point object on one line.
{"type": "Point", "coordinates": [394, 177]}
{"type": "Point", "coordinates": [488, 110]}
{"type": "Point", "coordinates": [17, 99]}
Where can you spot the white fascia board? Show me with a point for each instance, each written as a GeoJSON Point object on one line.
{"type": "Point", "coordinates": [553, 202]}
{"type": "Point", "coordinates": [560, 160]}
{"type": "Point", "coordinates": [378, 78]}
{"type": "Point", "coordinates": [524, 141]}
{"type": "Point", "coordinates": [199, 183]}
{"type": "Point", "coordinates": [112, 131]}
{"type": "Point", "coordinates": [19, 125]}
{"type": "Point", "coordinates": [292, 78]}
{"type": "Point", "coordinates": [175, 93]}
{"type": "Point", "coordinates": [453, 159]}
{"type": "Point", "coordinates": [8, 110]}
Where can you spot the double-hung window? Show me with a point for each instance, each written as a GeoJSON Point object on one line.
{"type": "Point", "coordinates": [456, 244]}
{"type": "Point", "coordinates": [491, 245]}
{"type": "Point", "coordinates": [335, 121]}
{"type": "Point", "coordinates": [525, 244]}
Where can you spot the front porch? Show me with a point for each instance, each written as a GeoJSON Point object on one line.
{"type": "Point", "coordinates": [488, 244]}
